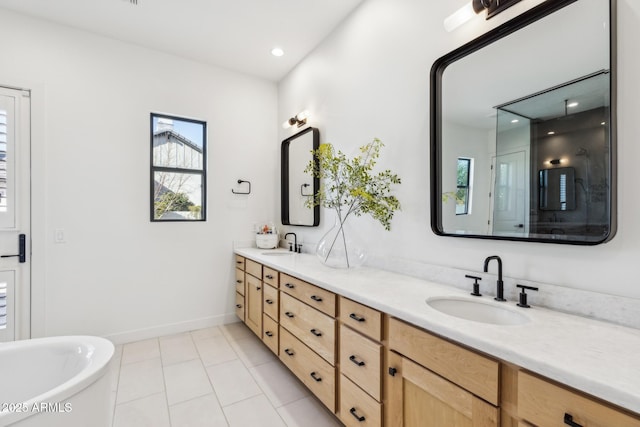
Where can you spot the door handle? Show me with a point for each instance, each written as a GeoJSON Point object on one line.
{"type": "Point", "coordinates": [22, 249]}
{"type": "Point", "coordinates": [519, 226]}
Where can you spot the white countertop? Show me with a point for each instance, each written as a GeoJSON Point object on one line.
{"type": "Point", "coordinates": [599, 358]}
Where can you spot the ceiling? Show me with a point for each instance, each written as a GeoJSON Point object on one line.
{"type": "Point", "coordinates": [233, 34]}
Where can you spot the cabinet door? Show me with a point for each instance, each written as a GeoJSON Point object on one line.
{"type": "Point", "coordinates": [418, 397]}
{"type": "Point", "coordinates": [253, 304]}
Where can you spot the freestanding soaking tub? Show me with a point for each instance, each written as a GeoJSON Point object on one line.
{"type": "Point", "coordinates": [57, 381]}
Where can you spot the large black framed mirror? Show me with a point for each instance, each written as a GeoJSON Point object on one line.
{"type": "Point", "coordinates": [531, 96]}
{"type": "Point", "coordinates": [297, 186]}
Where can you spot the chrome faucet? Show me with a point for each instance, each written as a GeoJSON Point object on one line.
{"type": "Point", "coordinates": [500, 283]}
{"type": "Point", "coordinates": [293, 248]}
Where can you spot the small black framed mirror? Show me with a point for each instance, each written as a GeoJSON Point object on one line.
{"type": "Point", "coordinates": [537, 93]}
{"type": "Point", "coordinates": [297, 186]}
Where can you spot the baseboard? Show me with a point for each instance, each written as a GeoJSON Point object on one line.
{"type": "Point", "coordinates": [171, 328]}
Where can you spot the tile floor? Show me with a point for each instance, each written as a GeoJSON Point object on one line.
{"type": "Point", "coordinates": [214, 377]}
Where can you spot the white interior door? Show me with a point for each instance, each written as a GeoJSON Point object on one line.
{"type": "Point", "coordinates": [15, 197]}
{"type": "Point", "coordinates": [510, 197]}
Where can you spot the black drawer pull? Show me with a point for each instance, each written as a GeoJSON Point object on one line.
{"type": "Point", "coordinates": [315, 377]}
{"type": "Point", "coordinates": [316, 332]}
{"type": "Point", "coordinates": [289, 352]}
{"type": "Point", "coordinates": [258, 288]}
{"type": "Point", "coordinates": [269, 276]}
{"type": "Point", "coordinates": [289, 285]}
{"type": "Point", "coordinates": [356, 317]}
{"type": "Point", "coordinates": [238, 305]}
{"type": "Point", "coordinates": [392, 371]}
{"type": "Point", "coordinates": [357, 362]}
{"type": "Point", "coordinates": [568, 419]}
{"type": "Point", "coordinates": [238, 281]}
{"type": "Point", "coordinates": [269, 301]}
{"type": "Point", "coordinates": [289, 314]}
{"type": "Point", "coordinates": [238, 262]}
{"type": "Point", "coordinates": [269, 333]}
{"type": "Point", "coordinates": [357, 417]}
{"type": "Point", "coordinates": [316, 298]}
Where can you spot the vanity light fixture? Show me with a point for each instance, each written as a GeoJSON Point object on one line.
{"type": "Point", "coordinates": [468, 11]}
{"type": "Point", "coordinates": [515, 121]}
{"type": "Point", "coordinates": [555, 161]}
{"type": "Point", "coordinates": [551, 132]}
{"type": "Point", "coordinates": [572, 104]}
{"type": "Point", "coordinates": [276, 51]}
{"type": "Point", "coordinates": [299, 120]}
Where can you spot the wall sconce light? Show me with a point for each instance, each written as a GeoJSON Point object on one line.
{"type": "Point", "coordinates": [299, 120]}
{"type": "Point", "coordinates": [555, 161]}
{"type": "Point", "coordinates": [493, 7]}
{"type": "Point", "coordinates": [465, 13]}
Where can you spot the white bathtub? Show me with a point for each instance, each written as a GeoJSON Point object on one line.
{"type": "Point", "coordinates": [57, 381]}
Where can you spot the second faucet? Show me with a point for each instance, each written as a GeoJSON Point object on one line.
{"type": "Point", "coordinates": [499, 283]}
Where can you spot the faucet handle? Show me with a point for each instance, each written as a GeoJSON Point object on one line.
{"type": "Point", "coordinates": [523, 295]}
{"type": "Point", "coordinates": [476, 285]}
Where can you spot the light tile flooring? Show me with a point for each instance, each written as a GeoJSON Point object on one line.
{"type": "Point", "coordinates": [219, 376]}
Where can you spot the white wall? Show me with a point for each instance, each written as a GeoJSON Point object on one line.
{"type": "Point", "coordinates": [118, 274]}
{"type": "Point", "coordinates": [370, 78]}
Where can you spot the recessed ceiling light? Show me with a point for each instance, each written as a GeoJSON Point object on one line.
{"type": "Point", "coordinates": [276, 51]}
{"type": "Point", "coordinates": [572, 104]}
{"type": "Point", "coordinates": [551, 132]}
{"type": "Point", "coordinates": [515, 121]}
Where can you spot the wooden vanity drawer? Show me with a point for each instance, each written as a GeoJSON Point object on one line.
{"type": "Point", "coordinates": [360, 360]}
{"type": "Point", "coordinates": [270, 333]}
{"type": "Point", "coordinates": [253, 268]}
{"type": "Point", "coordinates": [361, 318]}
{"type": "Point", "coordinates": [316, 297]}
{"type": "Point", "coordinates": [470, 370]}
{"type": "Point", "coordinates": [311, 369]}
{"type": "Point", "coordinates": [240, 306]}
{"type": "Point", "coordinates": [357, 408]}
{"type": "Point", "coordinates": [271, 301]}
{"type": "Point", "coordinates": [240, 262]}
{"type": "Point", "coordinates": [315, 329]}
{"type": "Point", "coordinates": [544, 403]}
{"type": "Point", "coordinates": [239, 281]}
{"type": "Point", "coordinates": [270, 276]}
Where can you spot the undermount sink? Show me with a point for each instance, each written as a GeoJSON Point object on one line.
{"type": "Point", "coordinates": [477, 310]}
{"type": "Point", "coordinates": [277, 253]}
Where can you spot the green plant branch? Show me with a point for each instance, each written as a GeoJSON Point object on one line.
{"type": "Point", "coordinates": [351, 184]}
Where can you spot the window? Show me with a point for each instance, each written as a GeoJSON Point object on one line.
{"type": "Point", "coordinates": [178, 168]}
{"type": "Point", "coordinates": [463, 193]}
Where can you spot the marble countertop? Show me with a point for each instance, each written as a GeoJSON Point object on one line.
{"type": "Point", "coordinates": [599, 358]}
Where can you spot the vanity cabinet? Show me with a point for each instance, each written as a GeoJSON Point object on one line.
{"type": "Point", "coordinates": [361, 360]}
{"type": "Point", "coordinates": [434, 382]}
{"type": "Point", "coordinates": [374, 370]}
{"type": "Point", "coordinates": [544, 403]}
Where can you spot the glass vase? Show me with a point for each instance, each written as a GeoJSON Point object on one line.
{"type": "Point", "coordinates": [341, 247]}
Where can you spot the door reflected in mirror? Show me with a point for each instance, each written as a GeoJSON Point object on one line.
{"type": "Point", "coordinates": [534, 134]}
{"type": "Point", "coordinates": [297, 186]}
